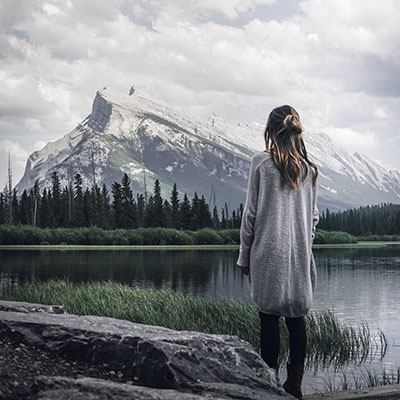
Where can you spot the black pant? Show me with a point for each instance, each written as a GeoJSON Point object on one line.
{"type": "Point", "coordinates": [269, 339]}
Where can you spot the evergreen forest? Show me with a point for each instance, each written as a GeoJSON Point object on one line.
{"type": "Point", "coordinates": [382, 219]}
{"type": "Point", "coordinates": [74, 206]}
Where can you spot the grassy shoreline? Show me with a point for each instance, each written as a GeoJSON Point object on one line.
{"type": "Point", "coordinates": [121, 247]}
{"type": "Point", "coordinates": [173, 247]}
{"type": "Point", "coordinates": [329, 341]}
{"type": "Point", "coordinates": [26, 235]}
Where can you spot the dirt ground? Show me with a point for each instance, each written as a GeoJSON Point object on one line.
{"type": "Point", "coordinates": [19, 364]}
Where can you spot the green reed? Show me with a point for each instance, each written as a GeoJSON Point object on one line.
{"type": "Point", "coordinates": [364, 379]}
{"type": "Point", "coordinates": [329, 342]}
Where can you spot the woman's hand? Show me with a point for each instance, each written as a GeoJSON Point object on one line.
{"type": "Point", "coordinates": [245, 270]}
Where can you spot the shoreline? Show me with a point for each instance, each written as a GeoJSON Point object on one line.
{"type": "Point", "coordinates": [179, 247]}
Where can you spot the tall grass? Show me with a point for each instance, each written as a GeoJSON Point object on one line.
{"type": "Point", "coordinates": [328, 340]}
{"type": "Point", "coordinates": [341, 344]}
{"type": "Point", "coordinates": [365, 379]}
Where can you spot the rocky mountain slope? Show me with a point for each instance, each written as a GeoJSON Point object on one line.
{"type": "Point", "coordinates": [149, 138]}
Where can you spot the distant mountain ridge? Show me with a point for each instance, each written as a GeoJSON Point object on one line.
{"type": "Point", "coordinates": [147, 137]}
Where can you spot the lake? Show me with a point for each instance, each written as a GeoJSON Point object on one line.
{"type": "Point", "coordinates": [359, 284]}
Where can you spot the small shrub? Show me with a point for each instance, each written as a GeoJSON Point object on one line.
{"type": "Point", "coordinates": [13, 235]}
{"type": "Point", "coordinates": [96, 235]}
{"type": "Point", "coordinates": [333, 237]}
{"type": "Point", "coordinates": [230, 236]}
{"type": "Point", "coordinates": [207, 236]}
{"type": "Point", "coordinates": [135, 237]}
{"type": "Point", "coordinates": [173, 236]}
{"type": "Point", "coordinates": [119, 236]}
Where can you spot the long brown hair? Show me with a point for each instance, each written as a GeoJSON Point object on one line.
{"type": "Point", "coordinates": [284, 140]}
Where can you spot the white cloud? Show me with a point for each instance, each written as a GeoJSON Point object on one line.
{"type": "Point", "coordinates": [39, 144]}
{"type": "Point", "coordinates": [351, 140]}
{"type": "Point", "coordinates": [33, 124]}
{"type": "Point", "coordinates": [167, 11]}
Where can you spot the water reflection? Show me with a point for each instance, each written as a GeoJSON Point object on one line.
{"type": "Point", "coordinates": [361, 285]}
{"type": "Point", "coordinates": [206, 273]}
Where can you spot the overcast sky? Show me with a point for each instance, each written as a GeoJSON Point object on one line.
{"type": "Point", "coordinates": [336, 61]}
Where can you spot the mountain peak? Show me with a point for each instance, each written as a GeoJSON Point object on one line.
{"type": "Point", "coordinates": [216, 119]}
{"type": "Point", "coordinates": [140, 131]}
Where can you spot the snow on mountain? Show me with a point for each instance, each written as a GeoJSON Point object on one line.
{"type": "Point", "coordinates": [147, 137]}
{"type": "Point", "coordinates": [247, 135]}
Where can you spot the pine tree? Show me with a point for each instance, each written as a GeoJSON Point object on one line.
{"type": "Point", "coordinates": [23, 209]}
{"type": "Point", "coordinates": [159, 215]}
{"type": "Point", "coordinates": [328, 220]}
{"type": "Point", "coordinates": [129, 207]}
{"type": "Point", "coordinates": [88, 208]}
{"type": "Point", "coordinates": [14, 207]}
{"type": "Point", "coordinates": [196, 223]}
{"type": "Point", "coordinates": [185, 212]}
{"type": "Point", "coordinates": [106, 214]}
{"type": "Point", "coordinates": [78, 217]}
{"type": "Point", "coordinates": [223, 219]}
{"type": "Point", "coordinates": [167, 209]}
{"type": "Point", "coordinates": [175, 215]}
{"type": "Point", "coordinates": [64, 199]}
{"type": "Point", "coordinates": [234, 219]}
{"type": "Point", "coordinates": [31, 204]}
{"type": "Point", "coordinates": [3, 208]}
{"type": "Point", "coordinates": [55, 200]}
{"type": "Point", "coordinates": [149, 220]}
{"type": "Point", "coordinates": [44, 211]}
{"type": "Point", "coordinates": [36, 202]}
{"type": "Point", "coordinates": [203, 214]}
{"type": "Point", "coordinates": [95, 195]}
{"type": "Point", "coordinates": [141, 209]}
{"type": "Point", "coordinates": [239, 216]}
{"type": "Point", "coordinates": [226, 225]}
{"type": "Point", "coordinates": [241, 209]}
{"type": "Point", "coordinates": [215, 218]}
{"type": "Point", "coordinates": [117, 204]}
{"type": "Point", "coordinates": [6, 205]}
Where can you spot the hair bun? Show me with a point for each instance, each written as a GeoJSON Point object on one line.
{"type": "Point", "coordinates": [292, 124]}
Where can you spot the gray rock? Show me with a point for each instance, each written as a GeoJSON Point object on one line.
{"type": "Point", "coordinates": [21, 306]}
{"type": "Point", "coordinates": [62, 388]}
{"type": "Point", "coordinates": [152, 356]}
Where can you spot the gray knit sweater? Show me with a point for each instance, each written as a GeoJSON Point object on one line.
{"type": "Point", "coordinates": [276, 236]}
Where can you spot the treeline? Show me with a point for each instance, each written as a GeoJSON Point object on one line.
{"type": "Point", "coordinates": [382, 219]}
{"type": "Point", "coordinates": [72, 206]}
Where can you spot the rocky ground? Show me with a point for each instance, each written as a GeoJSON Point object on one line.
{"type": "Point", "coordinates": [19, 364]}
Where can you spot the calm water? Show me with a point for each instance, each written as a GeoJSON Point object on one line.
{"type": "Point", "coordinates": [360, 285]}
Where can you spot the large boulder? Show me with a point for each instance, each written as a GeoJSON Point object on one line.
{"type": "Point", "coordinates": [22, 306]}
{"type": "Point", "coordinates": [63, 388]}
{"type": "Point", "coordinates": [209, 365]}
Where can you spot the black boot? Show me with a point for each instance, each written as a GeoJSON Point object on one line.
{"type": "Point", "coordinates": [294, 379]}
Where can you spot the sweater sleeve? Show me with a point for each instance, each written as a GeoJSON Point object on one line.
{"type": "Point", "coordinates": [249, 215]}
{"type": "Point", "coordinates": [316, 211]}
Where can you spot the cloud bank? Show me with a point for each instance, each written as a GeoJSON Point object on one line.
{"type": "Point", "coordinates": [337, 62]}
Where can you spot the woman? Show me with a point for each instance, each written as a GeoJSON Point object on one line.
{"type": "Point", "coordinates": [277, 230]}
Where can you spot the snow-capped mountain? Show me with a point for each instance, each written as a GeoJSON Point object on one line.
{"type": "Point", "coordinates": [149, 138]}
